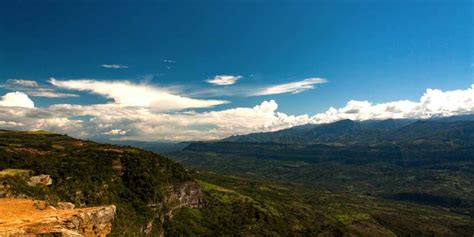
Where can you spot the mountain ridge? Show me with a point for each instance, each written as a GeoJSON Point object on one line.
{"type": "Point", "coordinates": [352, 132]}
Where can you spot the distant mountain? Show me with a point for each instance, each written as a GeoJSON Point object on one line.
{"type": "Point", "coordinates": [343, 130]}
{"type": "Point", "coordinates": [466, 117]}
{"type": "Point", "coordinates": [348, 132]}
{"type": "Point", "coordinates": [159, 147]}
{"type": "Point", "coordinates": [429, 162]}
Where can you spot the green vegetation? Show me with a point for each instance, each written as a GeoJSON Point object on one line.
{"type": "Point", "coordinates": [256, 189]}
{"type": "Point", "coordinates": [376, 178]}
{"type": "Point", "coordinates": [426, 178]}
{"type": "Point", "coordinates": [90, 174]}
{"type": "Point", "coordinates": [242, 207]}
{"type": "Point", "coordinates": [425, 162]}
{"type": "Point", "coordinates": [14, 172]}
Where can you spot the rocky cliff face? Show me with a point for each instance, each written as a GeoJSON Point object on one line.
{"type": "Point", "coordinates": [145, 187]}
{"type": "Point", "coordinates": [24, 217]}
{"type": "Point", "coordinates": [187, 194]}
{"type": "Point", "coordinates": [179, 195]}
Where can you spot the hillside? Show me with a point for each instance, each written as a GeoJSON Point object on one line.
{"type": "Point", "coordinates": [154, 196]}
{"type": "Point", "coordinates": [145, 187]}
{"type": "Point", "coordinates": [424, 162]}
{"type": "Point", "coordinates": [239, 206]}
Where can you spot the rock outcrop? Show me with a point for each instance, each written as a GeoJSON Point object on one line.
{"type": "Point", "coordinates": [187, 194]}
{"type": "Point", "coordinates": [40, 180]}
{"type": "Point", "coordinates": [20, 217]}
{"type": "Point", "coordinates": [179, 195]}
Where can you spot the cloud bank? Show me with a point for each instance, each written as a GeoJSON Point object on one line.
{"type": "Point", "coordinates": [434, 103]}
{"type": "Point", "coordinates": [131, 118]}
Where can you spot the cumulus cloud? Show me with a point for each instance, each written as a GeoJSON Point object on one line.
{"type": "Point", "coordinates": [433, 103]}
{"type": "Point", "coordinates": [126, 93]}
{"type": "Point", "coordinates": [224, 80]}
{"type": "Point", "coordinates": [116, 132]}
{"type": "Point", "coordinates": [114, 66]}
{"type": "Point", "coordinates": [144, 123]}
{"type": "Point", "coordinates": [16, 99]}
{"type": "Point", "coordinates": [292, 87]}
{"type": "Point", "coordinates": [10, 124]}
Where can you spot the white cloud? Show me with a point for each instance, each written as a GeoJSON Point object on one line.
{"type": "Point", "coordinates": [116, 132]}
{"type": "Point", "coordinates": [145, 123]}
{"type": "Point", "coordinates": [169, 61]}
{"type": "Point", "coordinates": [49, 93]}
{"type": "Point", "coordinates": [61, 125]}
{"type": "Point", "coordinates": [21, 82]}
{"type": "Point", "coordinates": [126, 93]}
{"type": "Point", "coordinates": [32, 88]}
{"type": "Point", "coordinates": [10, 124]}
{"type": "Point", "coordinates": [16, 99]}
{"type": "Point", "coordinates": [224, 80]}
{"type": "Point", "coordinates": [114, 66]}
{"type": "Point", "coordinates": [292, 87]}
{"type": "Point", "coordinates": [256, 90]}
{"type": "Point", "coordinates": [433, 103]}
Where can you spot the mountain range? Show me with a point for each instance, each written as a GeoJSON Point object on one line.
{"type": "Point", "coordinates": [348, 132]}
{"type": "Point", "coordinates": [347, 178]}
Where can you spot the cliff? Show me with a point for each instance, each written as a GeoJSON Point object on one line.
{"type": "Point", "coordinates": [25, 217]}
{"type": "Point", "coordinates": [145, 187]}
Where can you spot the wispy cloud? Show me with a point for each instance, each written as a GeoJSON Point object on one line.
{"type": "Point", "coordinates": [22, 82]}
{"type": "Point", "coordinates": [114, 66]}
{"type": "Point", "coordinates": [292, 87]}
{"type": "Point", "coordinates": [50, 93]}
{"type": "Point", "coordinates": [224, 80]}
{"type": "Point", "coordinates": [169, 61]}
{"type": "Point", "coordinates": [126, 93]}
{"type": "Point", "coordinates": [33, 88]}
{"type": "Point", "coordinates": [256, 90]}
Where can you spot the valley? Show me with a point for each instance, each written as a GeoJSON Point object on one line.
{"type": "Point", "coordinates": [339, 181]}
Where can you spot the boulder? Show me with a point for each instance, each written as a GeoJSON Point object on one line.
{"type": "Point", "coordinates": [40, 180]}
{"type": "Point", "coordinates": [65, 206]}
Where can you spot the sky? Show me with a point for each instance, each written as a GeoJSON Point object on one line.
{"type": "Point", "coordinates": [201, 70]}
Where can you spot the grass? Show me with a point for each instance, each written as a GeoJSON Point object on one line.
{"type": "Point", "coordinates": [352, 217]}
{"type": "Point", "coordinates": [14, 172]}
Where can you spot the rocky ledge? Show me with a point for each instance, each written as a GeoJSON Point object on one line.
{"type": "Point", "coordinates": [26, 217]}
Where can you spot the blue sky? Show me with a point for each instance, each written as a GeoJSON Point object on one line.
{"type": "Point", "coordinates": [379, 51]}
